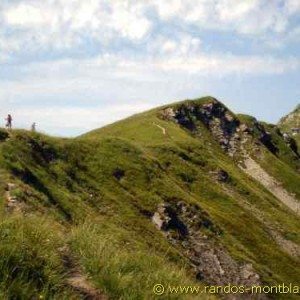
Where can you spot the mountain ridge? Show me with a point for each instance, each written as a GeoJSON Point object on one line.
{"type": "Point", "coordinates": [188, 188]}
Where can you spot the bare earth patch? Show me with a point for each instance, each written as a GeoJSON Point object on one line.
{"type": "Point", "coordinates": [77, 280]}
{"type": "Point", "coordinates": [253, 169]}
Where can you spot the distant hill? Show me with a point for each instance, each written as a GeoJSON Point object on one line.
{"type": "Point", "coordinates": [291, 124]}
{"type": "Point", "coordinates": [292, 119]}
{"type": "Point", "coordinates": [185, 194]}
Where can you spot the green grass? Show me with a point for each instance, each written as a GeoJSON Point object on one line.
{"type": "Point", "coordinates": [124, 267]}
{"type": "Point", "coordinates": [72, 197]}
{"type": "Point", "coordinates": [292, 120]}
{"type": "Point", "coordinates": [30, 265]}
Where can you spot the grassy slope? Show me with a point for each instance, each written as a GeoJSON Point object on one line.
{"type": "Point", "coordinates": [290, 121]}
{"type": "Point", "coordinates": [286, 166]}
{"type": "Point", "coordinates": [72, 198]}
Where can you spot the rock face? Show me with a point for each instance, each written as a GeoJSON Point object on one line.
{"type": "Point", "coordinates": [191, 229]}
{"type": "Point", "coordinates": [266, 138]}
{"type": "Point", "coordinates": [224, 126]}
{"type": "Point", "coordinates": [168, 113]}
{"type": "Point", "coordinates": [291, 142]}
{"type": "Point", "coordinates": [166, 219]}
{"type": "Point", "coordinates": [231, 133]}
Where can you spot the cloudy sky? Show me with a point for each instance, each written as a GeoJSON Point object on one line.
{"type": "Point", "coordinates": [75, 65]}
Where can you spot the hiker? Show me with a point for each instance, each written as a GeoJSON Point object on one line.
{"type": "Point", "coordinates": [33, 127]}
{"type": "Point", "coordinates": [9, 121]}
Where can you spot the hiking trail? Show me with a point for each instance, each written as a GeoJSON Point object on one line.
{"type": "Point", "coordinates": [77, 280]}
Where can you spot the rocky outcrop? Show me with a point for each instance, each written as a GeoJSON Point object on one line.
{"type": "Point", "coordinates": [265, 138]}
{"type": "Point", "coordinates": [191, 229]}
{"type": "Point", "coordinates": [166, 219]}
{"type": "Point", "coordinates": [291, 143]}
{"type": "Point", "coordinates": [220, 176]}
{"type": "Point", "coordinates": [224, 126]}
{"type": "Point", "coordinates": [236, 136]}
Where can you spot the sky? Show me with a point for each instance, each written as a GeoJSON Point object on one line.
{"type": "Point", "coordinates": [72, 65]}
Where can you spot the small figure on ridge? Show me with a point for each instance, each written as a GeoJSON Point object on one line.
{"type": "Point", "coordinates": [33, 127]}
{"type": "Point", "coordinates": [9, 122]}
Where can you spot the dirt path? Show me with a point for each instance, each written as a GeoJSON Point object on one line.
{"type": "Point", "coordinates": [164, 131]}
{"type": "Point", "coordinates": [80, 284]}
{"type": "Point", "coordinates": [12, 203]}
{"type": "Point", "coordinates": [253, 169]}
{"type": "Point", "coordinates": [77, 280]}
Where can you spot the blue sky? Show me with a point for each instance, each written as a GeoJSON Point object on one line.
{"type": "Point", "coordinates": [73, 65]}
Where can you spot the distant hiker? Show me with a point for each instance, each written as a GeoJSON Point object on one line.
{"type": "Point", "coordinates": [9, 121]}
{"type": "Point", "coordinates": [33, 127]}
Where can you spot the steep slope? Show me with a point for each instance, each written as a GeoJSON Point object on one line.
{"type": "Point", "coordinates": [290, 125]}
{"type": "Point", "coordinates": [292, 120]}
{"type": "Point", "coordinates": [62, 222]}
{"type": "Point", "coordinates": [167, 196]}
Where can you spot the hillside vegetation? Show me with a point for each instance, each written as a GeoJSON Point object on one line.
{"type": "Point", "coordinates": [186, 194]}
{"type": "Point", "coordinates": [291, 122]}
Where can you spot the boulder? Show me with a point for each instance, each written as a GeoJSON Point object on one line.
{"type": "Point", "coordinates": [228, 117]}
{"type": "Point", "coordinates": [244, 128]}
{"type": "Point", "coordinates": [168, 113]}
{"type": "Point", "coordinates": [222, 176]}
{"type": "Point", "coordinates": [167, 219]}
{"type": "Point", "coordinates": [10, 187]}
{"type": "Point", "coordinates": [118, 173]}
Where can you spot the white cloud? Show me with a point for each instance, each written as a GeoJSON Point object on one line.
{"type": "Point", "coordinates": [60, 24]}
{"type": "Point", "coordinates": [246, 17]}
{"type": "Point", "coordinates": [87, 73]}
{"type": "Point", "coordinates": [230, 10]}
{"type": "Point", "coordinates": [169, 9]}
{"type": "Point", "coordinates": [74, 96]}
{"type": "Point", "coordinates": [293, 6]}
{"type": "Point", "coordinates": [228, 64]}
{"type": "Point", "coordinates": [118, 78]}
{"type": "Point", "coordinates": [135, 58]}
{"type": "Point", "coordinates": [83, 14]}
{"type": "Point", "coordinates": [30, 15]}
{"type": "Point", "coordinates": [168, 46]}
{"type": "Point", "coordinates": [57, 25]}
{"type": "Point", "coordinates": [129, 20]}
{"type": "Point", "coordinates": [183, 45]}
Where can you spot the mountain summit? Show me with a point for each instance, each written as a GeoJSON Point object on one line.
{"type": "Point", "coordinates": [186, 194]}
